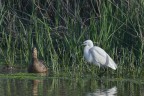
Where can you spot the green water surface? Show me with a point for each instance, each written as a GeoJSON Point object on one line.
{"type": "Point", "coordinates": [21, 83]}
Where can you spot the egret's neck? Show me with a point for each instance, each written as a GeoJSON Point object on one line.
{"type": "Point", "coordinates": [86, 49]}
{"type": "Point", "coordinates": [87, 55]}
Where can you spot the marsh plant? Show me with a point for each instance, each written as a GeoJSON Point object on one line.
{"type": "Point", "coordinates": [58, 28]}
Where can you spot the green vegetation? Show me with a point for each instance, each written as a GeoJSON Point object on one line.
{"type": "Point", "coordinates": [58, 28]}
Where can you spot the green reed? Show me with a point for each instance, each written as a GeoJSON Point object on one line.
{"type": "Point", "coordinates": [59, 32]}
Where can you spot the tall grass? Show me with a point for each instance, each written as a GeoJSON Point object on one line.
{"type": "Point", "coordinates": [58, 28]}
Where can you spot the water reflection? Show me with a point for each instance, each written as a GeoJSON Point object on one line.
{"type": "Point", "coordinates": [104, 92]}
{"type": "Point", "coordinates": [35, 87]}
{"type": "Point", "coordinates": [17, 84]}
{"type": "Point", "coordinates": [36, 83]}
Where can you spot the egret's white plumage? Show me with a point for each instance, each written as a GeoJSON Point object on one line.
{"type": "Point", "coordinates": [96, 55]}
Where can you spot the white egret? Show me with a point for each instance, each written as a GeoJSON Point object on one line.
{"type": "Point", "coordinates": [96, 55]}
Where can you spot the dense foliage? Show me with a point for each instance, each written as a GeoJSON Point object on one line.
{"type": "Point", "coordinates": [58, 28]}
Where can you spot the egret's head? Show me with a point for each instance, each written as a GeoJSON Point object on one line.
{"type": "Point", "coordinates": [88, 43]}
{"type": "Point", "coordinates": [34, 52]}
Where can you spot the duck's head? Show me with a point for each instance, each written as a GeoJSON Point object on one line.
{"type": "Point", "coordinates": [34, 52]}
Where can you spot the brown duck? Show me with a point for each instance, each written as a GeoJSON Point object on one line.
{"type": "Point", "coordinates": [36, 66]}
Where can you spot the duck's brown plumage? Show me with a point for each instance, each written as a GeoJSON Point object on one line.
{"type": "Point", "coordinates": [36, 66]}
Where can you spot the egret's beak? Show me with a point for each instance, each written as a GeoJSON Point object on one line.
{"type": "Point", "coordinates": [83, 43]}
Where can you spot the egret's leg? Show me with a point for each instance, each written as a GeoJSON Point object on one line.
{"type": "Point", "coordinates": [88, 67]}
{"type": "Point", "coordinates": [102, 71]}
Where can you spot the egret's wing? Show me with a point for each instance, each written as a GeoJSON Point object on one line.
{"type": "Point", "coordinates": [112, 64]}
{"type": "Point", "coordinates": [99, 55]}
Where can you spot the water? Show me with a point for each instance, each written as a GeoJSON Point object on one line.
{"type": "Point", "coordinates": [25, 84]}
